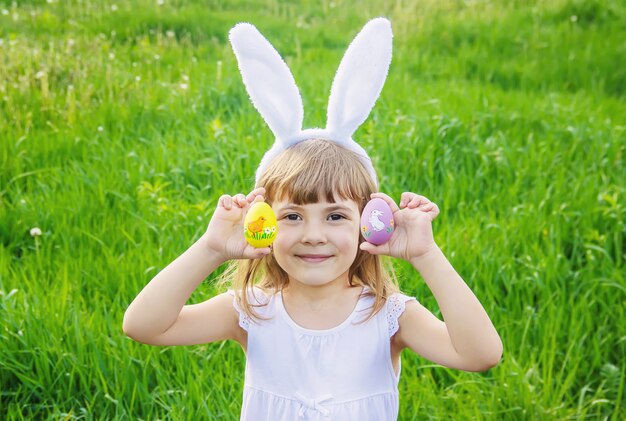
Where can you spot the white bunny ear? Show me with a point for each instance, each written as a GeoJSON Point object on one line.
{"type": "Point", "coordinates": [269, 82]}
{"type": "Point", "coordinates": [360, 78]}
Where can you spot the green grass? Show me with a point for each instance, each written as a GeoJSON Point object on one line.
{"type": "Point", "coordinates": [119, 129]}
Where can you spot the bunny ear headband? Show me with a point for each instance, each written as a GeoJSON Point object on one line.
{"type": "Point", "coordinates": [275, 95]}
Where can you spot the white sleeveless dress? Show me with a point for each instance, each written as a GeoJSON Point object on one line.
{"type": "Point", "coordinates": [339, 374]}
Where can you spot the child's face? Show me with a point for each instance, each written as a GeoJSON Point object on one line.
{"type": "Point", "coordinates": [317, 243]}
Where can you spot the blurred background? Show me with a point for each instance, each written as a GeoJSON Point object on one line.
{"type": "Point", "coordinates": [122, 122]}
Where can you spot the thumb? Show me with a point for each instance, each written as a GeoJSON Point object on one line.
{"type": "Point", "coordinates": [257, 253]}
{"type": "Point", "coordinates": [373, 249]}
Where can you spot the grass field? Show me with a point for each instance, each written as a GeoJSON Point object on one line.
{"type": "Point", "coordinates": [122, 122]}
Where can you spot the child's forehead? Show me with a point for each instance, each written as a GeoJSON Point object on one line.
{"type": "Point", "coordinates": [322, 203]}
{"type": "Point", "coordinates": [312, 197]}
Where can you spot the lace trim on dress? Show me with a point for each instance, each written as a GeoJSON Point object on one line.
{"type": "Point", "coordinates": [395, 307]}
{"type": "Point", "coordinates": [244, 319]}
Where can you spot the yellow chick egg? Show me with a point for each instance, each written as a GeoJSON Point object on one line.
{"type": "Point", "coordinates": [259, 225]}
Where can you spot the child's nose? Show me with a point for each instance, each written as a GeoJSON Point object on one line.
{"type": "Point", "coordinates": [313, 233]}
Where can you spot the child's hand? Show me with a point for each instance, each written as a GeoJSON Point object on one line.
{"type": "Point", "coordinates": [413, 234]}
{"type": "Point", "coordinates": [225, 236]}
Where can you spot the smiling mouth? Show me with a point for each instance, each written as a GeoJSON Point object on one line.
{"type": "Point", "coordinates": [313, 258]}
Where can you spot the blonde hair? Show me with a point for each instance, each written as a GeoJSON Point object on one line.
{"type": "Point", "coordinates": [306, 173]}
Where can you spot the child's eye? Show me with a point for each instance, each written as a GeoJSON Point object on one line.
{"type": "Point", "coordinates": [292, 217]}
{"type": "Point", "coordinates": [336, 217]}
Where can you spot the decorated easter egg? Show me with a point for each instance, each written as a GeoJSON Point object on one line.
{"type": "Point", "coordinates": [259, 225]}
{"type": "Point", "coordinates": [377, 222]}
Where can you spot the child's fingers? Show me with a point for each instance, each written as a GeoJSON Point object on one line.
{"type": "Point", "coordinates": [431, 209]}
{"type": "Point", "coordinates": [417, 201]}
{"type": "Point", "coordinates": [240, 200]}
{"type": "Point", "coordinates": [405, 198]}
{"type": "Point", "coordinates": [225, 201]}
{"type": "Point", "coordinates": [259, 191]}
{"type": "Point", "coordinates": [412, 200]}
{"type": "Point", "coordinates": [254, 198]}
{"type": "Point", "coordinates": [434, 211]}
{"type": "Point", "coordinates": [386, 198]}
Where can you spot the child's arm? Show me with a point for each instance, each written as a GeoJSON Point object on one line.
{"type": "Point", "coordinates": [467, 339]}
{"type": "Point", "coordinates": [159, 316]}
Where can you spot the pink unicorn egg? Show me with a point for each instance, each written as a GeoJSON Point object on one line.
{"type": "Point", "coordinates": [377, 222]}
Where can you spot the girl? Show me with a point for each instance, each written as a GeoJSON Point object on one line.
{"type": "Point", "coordinates": [321, 321]}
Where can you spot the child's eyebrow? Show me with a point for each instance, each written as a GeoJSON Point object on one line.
{"type": "Point", "coordinates": [327, 209]}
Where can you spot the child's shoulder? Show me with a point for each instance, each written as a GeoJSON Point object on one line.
{"type": "Point", "coordinates": [395, 300]}
{"type": "Point", "coordinates": [394, 308]}
{"type": "Point", "coordinates": [398, 299]}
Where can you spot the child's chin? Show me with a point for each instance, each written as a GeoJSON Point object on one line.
{"type": "Point", "coordinates": [316, 282]}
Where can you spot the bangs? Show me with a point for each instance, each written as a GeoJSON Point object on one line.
{"type": "Point", "coordinates": [314, 171]}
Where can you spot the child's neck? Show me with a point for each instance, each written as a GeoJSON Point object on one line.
{"type": "Point", "coordinates": [320, 307]}
{"type": "Point", "coordinates": [317, 295]}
